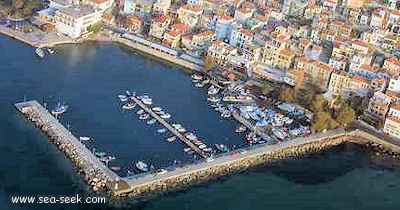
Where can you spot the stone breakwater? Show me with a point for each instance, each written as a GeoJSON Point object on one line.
{"type": "Point", "coordinates": [100, 178]}
{"type": "Point", "coordinates": [93, 172]}
{"type": "Point", "coordinates": [209, 173]}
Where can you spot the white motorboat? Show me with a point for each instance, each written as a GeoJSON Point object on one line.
{"type": "Point", "coordinates": [128, 106]}
{"type": "Point", "coordinates": [213, 99]}
{"type": "Point", "coordinates": [150, 122]}
{"type": "Point", "coordinates": [212, 90]}
{"type": "Point", "coordinates": [142, 166]}
{"type": "Point", "coordinates": [171, 139]}
{"type": "Point", "coordinates": [197, 77]}
{"type": "Point", "coordinates": [182, 130]}
{"type": "Point", "coordinates": [161, 130]}
{"type": "Point", "coordinates": [141, 111]}
{"type": "Point", "coordinates": [199, 85]}
{"type": "Point", "coordinates": [84, 138]}
{"type": "Point", "coordinates": [165, 116]}
{"type": "Point", "coordinates": [206, 81]}
{"type": "Point", "coordinates": [156, 109]}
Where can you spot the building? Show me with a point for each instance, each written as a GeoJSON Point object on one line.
{"type": "Point", "coordinates": [77, 20]}
{"type": "Point", "coordinates": [136, 23]}
{"type": "Point", "coordinates": [318, 73]}
{"type": "Point", "coordinates": [220, 52]}
{"type": "Point", "coordinates": [239, 37]}
{"type": "Point", "coordinates": [171, 39]}
{"type": "Point", "coordinates": [159, 25]}
{"type": "Point", "coordinates": [189, 16]}
{"type": "Point", "coordinates": [378, 105]}
{"type": "Point", "coordinates": [394, 84]}
{"type": "Point", "coordinates": [392, 66]}
{"type": "Point", "coordinates": [392, 122]}
{"type": "Point", "coordinates": [161, 7]}
{"type": "Point", "coordinates": [137, 6]}
{"type": "Point", "coordinates": [99, 4]}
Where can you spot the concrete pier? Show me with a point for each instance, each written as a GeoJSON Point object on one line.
{"type": "Point", "coordinates": [169, 127]}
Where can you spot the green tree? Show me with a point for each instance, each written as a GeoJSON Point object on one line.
{"type": "Point", "coordinates": [287, 95]}
{"type": "Point", "coordinates": [128, 22]}
{"type": "Point", "coordinates": [210, 64]}
{"type": "Point", "coordinates": [345, 115]}
{"type": "Point", "coordinates": [266, 89]}
{"type": "Point", "coordinates": [96, 27]}
{"type": "Point", "coordinates": [18, 4]}
{"type": "Point", "coordinates": [318, 103]}
{"type": "Point", "coordinates": [321, 121]}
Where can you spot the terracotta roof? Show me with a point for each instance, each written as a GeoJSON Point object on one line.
{"type": "Point", "coordinates": [243, 10]}
{"type": "Point", "coordinates": [107, 16]}
{"type": "Point", "coordinates": [393, 119]}
{"type": "Point", "coordinates": [302, 59]}
{"type": "Point", "coordinates": [161, 19]}
{"type": "Point", "coordinates": [324, 66]}
{"type": "Point", "coordinates": [361, 79]}
{"type": "Point", "coordinates": [99, 1]}
{"type": "Point", "coordinates": [396, 107]}
{"type": "Point", "coordinates": [395, 12]}
{"type": "Point", "coordinates": [205, 34]}
{"type": "Point", "coordinates": [393, 60]}
{"type": "Point", "coordinates": [172, 34]}
{"type": "Point", "coordinates": [246, 32]}
{"type": "Point", "coordinates": [180, 27]}
{"type": "Point", "coordinates": [226, 17]}
{"type": "Point", "coordinates": [193, 9]}
{"type": "Point", "coordinates": [286, 53]}
{"type": "Point", "coordinates": [368, 68]}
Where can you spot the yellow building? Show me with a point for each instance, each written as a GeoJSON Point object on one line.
{"type": "Point", "coordinates": [318, 73]}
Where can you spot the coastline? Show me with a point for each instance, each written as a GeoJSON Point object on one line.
{"type": "Point", "coordinates": [54, 41]}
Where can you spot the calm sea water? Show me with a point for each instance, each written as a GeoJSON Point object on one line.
{"type": "Point", "coordinates": [88, 77]}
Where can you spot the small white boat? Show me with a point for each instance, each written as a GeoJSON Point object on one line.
{"type": "Point", "coordinates": [84, 138]}
{"type": "Point", "coordinates": [171, 139]}
{"type": "Point", "coordinates": [213, 99]}
{"type": "Point", "coordinates": [150, 122]}
{"type": "Point", "coordinates": [212, 90]}
{"type": "Point", "coordinates": [39, 52]}
{"type": "Point", "coordinates": [51, 51]}
{"type": "Point", "coordinates": [165, 116]}
{"type": "Point", "coordinates": [206, 81]}
{"type": "Point", "coordinates": [176, 126]}
{"type": "Point", "coordinates": [160, 112]}
{"type": "Point", "coordinates": [241, 129]}
{"type": "Point", "coordinates": [122, 96]}
{"type": "Point", "coordinates": [128, 92]}
{"type": "Point", "coordinates": [188, 149]}
{"type": "Point", "coordinates": [115, 168]}
{"type": "Point", "coordinates": [226, 114]}
{"type": "Point", "coordinates": [144, 116]}
{"type": "Point", "coordinates": [140, 111]}
{"type": "Point", "coordinates": [161, 130]}
{"type": "Point", "coordinates": [156, 109]}
{"type": "Point", "coordinates": [142, 166]}
{"type": "Point", "coordinates": [199, 85]}
{"type": "Point", "coordinates": [202, 146]}
{"type": "Point", "coordinates": [197, 77]}
{"type": "Point", "coordinates": [147, 100]}
{"type": "Point", "coordinates": [128, 106]}
{"type": "Point", "coordinates": [182, 130]}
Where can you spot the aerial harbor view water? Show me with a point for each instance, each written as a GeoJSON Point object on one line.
{"type": "Point", "coordinates": [194, 104]}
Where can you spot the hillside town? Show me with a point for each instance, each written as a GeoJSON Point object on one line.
{"type": "Point", "coordinates": [320, 53]}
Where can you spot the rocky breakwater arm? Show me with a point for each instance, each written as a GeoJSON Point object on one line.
{"type": "Point", "coordinates": [95, 173]}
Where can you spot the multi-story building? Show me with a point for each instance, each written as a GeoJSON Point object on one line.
{"type": "Point", "coordinates": [392, 66]}
{"type": "Point", "coordinates": [239, 37]}
{"type": "Point", "coordinates": [223, 27]}
{"type": "Point", "coordinates": [190, 16]}
{"type": "Point", "coordinates": [171, 39]}
{"type": "Point", "coordinates": [138, 6]}
{"type": "Point", "coordinates": [159, 26]}
{"type": "Point", "coordinates": [77, 20]}
{"type": "Point", "coordinates": [243, 15]}
{"type": "Point", "coordinates": [379, 105]}
{"type": "Point", "coordinates": [318, 73]}
{"type": "Point", "coordinates": [394, 84]}
{"type": "Point", "coordinates": [99, 4]}
{"type": "Point", "coordinates": [392, 123]}
{"type": "Point", "coordinates": [161, 7]}
{"type": "Point", "coordinates": [220, 52]}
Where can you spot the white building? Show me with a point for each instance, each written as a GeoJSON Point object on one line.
{"type": "Point", "coordinates": [394, 85]}
{"type": "Point", "coordinates": [239, 37]}
{"type": "Point", "coordinates": [195, 3]}
{"type": "Point", "coordinates": [76, 21]}
{"type": "Point", "coordinates": [138, 6]}
{"type": "Point", "coordinates": [161, 6]}
{"type": "Point", "coordinates": [99, 4]}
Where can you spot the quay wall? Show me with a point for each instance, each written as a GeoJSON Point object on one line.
{"type": "Point", "coordinates": [203, 174]}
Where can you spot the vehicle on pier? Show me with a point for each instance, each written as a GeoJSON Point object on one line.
{"type": "Point", "coordinates": [142, 166]}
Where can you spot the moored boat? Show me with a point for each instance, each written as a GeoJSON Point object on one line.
{"type": "Point", "coordinates": [165, 116]}
{"type": "Point", "coordinates": [199, 85]}
{"type": "Point", "coordinates": [51, 51]}
{"type": "Point", "coordinates": [128, 106]}
{"type": "Point", "coordinates": [100, 154]}
{"type": "Point", "coordinates": [115, 168]}
{"type": "Point", "coordinates": [156, 109]}
{"type": "Point", "coordinates": [84, 138]}
{"type": "Point", "coordinates": [144, 116]}
{"type": "Point", "coordinates": [182, 130]}
{"type": "Point", "coordinates": [241, 128]}
{"type": "Point", "coordinates": [142, 166]}
{"type": "Point", "coordinates": [161, 130]}
{"type": "Point", "coordinates": [197, 77]}
{"type": "Point", "coordinates": [40, 52]}
{"type": "Point", "coordinates": [171, 139]}
{"type": "Point", "coordinates": [150, 122]}
{"type": "Point", "coordinates": [222, 147]}
{"type": "Point", "coordinates": [141, 111]}
{"type": "Point", "coordinates": [59, 109]}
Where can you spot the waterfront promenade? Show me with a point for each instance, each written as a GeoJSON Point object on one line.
{"type": "Point", "coordinates": [169, 127]}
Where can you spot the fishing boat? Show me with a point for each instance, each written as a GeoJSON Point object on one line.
{"type": "Point", "coordinates": [144, 116]}
{"type": "Point", "coordinates": [156, 109]}
{"type": "Point", "coordinates": [128, 106]}
{"type": "Point", "coordinates": [161, 130]}
{"type": "Point", "coordinates": [84, 138]}
{"type": "Point", "coordinates": [206, 81]}
{"type": "Point", "coordinates": [150, 122]}
{"type": "Point", "coordinates": [165, 116]}
{"type": "Point", "coordinates": [39, 52]}
{"type": "Point", "coordinates": [213, 99]}
{"type": "Point", "coordinates": [115, 168]}
{"type": "Point", "coordinates": [59, 109]}
{"type": "Point", "coordinates": [100, 154]}
{"type": "Point", "coordinates": [141, 111]}
{"type": "Point", "coordinates": [51, 51]}
{"type": "Point", "coordinates": [212, 90]}
{"type": "Point", "coordinates": [128, 92]}
{"type": "Point", "coordinates": [199, 85]}
{"type": "Point", "coordinates": [142, 166]}
{"type": "Point", "coordinates": [182, 130]}
{"type": "Point", "coordinates": [241, 128]}
{"type": "Point", "coordinates": [222, 147]}
{"type": "Point", "coordinates": [197, 77]}
{"type": "Point", "coordinates": [171, 139]}
{"type": "Point", "coordinates": [226, 114]}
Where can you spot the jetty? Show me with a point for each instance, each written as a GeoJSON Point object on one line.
{"type": "Point", "coordinates": [169, 127]}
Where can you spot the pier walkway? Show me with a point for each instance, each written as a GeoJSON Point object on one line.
{"type": "Point", "coordinates": [67, 138]}
{"type": "Point", "coordinates": [169, 127]}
